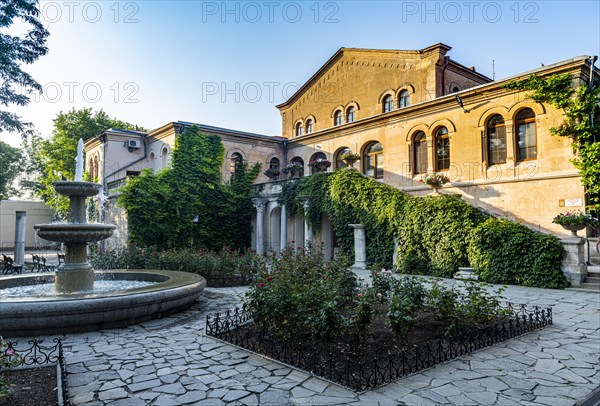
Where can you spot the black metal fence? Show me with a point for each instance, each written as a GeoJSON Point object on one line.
{"type": "Point", "coordinates": [364, 376]}
{"type": "Point", "coordinates": [39, 354]}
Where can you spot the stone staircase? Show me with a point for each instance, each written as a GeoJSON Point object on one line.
{"type": "Point", "coordinates": [592, 281]}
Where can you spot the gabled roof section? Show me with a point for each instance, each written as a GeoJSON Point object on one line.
{"type": "Point", "coordinates": [342, 51]}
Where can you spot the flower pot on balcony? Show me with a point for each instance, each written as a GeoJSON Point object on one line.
{"type": "Point", "coordinates": [573, 228]}
{"type": "Point", "coordinates": [350, 162]}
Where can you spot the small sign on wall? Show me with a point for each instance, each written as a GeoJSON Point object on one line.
{"type": "Point", "coordinates": [570, 202]}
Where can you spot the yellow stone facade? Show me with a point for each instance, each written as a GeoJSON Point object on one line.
{"type": "Point", "coordinates": [429, 92]}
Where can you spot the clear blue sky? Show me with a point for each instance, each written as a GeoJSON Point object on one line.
{"type": "Point", "coordinates": [229, 64]}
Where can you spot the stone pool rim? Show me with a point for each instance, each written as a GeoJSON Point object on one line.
{"type": "Point", "coordinates": [33, 315]}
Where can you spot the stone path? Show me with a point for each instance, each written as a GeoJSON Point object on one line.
{"type": "Point", "coordinates": [171, 362]}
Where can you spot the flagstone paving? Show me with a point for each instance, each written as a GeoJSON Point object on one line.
{"type": "Point", "coordinates": [172, 362]}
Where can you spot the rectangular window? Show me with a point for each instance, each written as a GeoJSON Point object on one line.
{"type": "Point", "coordinates": [497, 145]}
{"type": "Point", "coordinates": [442, 154]}
{"type": "Point", "coordinates": [527, 143]}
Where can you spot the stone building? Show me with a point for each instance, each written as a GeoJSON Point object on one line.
{"type": "Point", "coordinates": [406, 113]}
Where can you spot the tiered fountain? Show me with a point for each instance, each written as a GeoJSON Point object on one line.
{"type": "Point", "coordinates": [68, 300]}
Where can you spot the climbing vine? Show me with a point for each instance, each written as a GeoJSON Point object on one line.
{"type": "Point", "coordinates": [436, 235]}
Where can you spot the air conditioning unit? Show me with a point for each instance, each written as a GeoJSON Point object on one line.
{"type": "Point", "coordinates": [132, 144]}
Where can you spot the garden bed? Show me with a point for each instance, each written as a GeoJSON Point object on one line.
{"type": "Point", "coordinates": [32, 387]}
{"type": "Point", "coordinates": [36, 372]}
{"type": "Point", "coordinates": [375, 358]}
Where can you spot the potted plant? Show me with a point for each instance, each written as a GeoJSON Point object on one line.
{"type": "Point", "coordinates": [271, 173]}
{"type": "Point", "coordinates": [320, 164]}
{"type": "Point", "coordinates": [350, 158]}
{"type": "Point", "coordinates": [575, 221]}
{"type": "Point", "coordinates": [435, 181]}
{"type": "Point", "coordinates": [293, 169]}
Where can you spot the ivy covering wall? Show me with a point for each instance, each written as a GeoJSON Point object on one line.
{"type": "Point", "coordinates": [187, 204]}
{"type": "Point", "coordinates": [436, 234]}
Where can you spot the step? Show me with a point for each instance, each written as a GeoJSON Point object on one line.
{"type": "Point", "coordinates": [591, 286]}
{"type": "Point", "coordinates": [592, 280]}
{"type": "Point", "coordinates": [593, 274]}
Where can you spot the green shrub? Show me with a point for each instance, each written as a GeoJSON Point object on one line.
{"type": "Point", "coordinates": [303, 291]}
{"type": "Point", "coordinates": [505, 252]}
{"type": "Point", "coordinates": [210, 265]}
{"type": "Point", "coordinates": [467, 308]}
{"type": "Point", "coordinates": [404, 305]}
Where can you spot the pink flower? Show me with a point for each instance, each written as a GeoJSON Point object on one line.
{"type": "Point", "coordinates": [261, 284]}
{"type": "Point", "coordinates": [269, 279]}
{"type": "Point", "coordinates": [360, 295]}
{"type": "Point", "coordinates": [10, 351]}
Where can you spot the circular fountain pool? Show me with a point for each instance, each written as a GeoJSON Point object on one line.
{"type": "Point", "coordinates": [164, 293]}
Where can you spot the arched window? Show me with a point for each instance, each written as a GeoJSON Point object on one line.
{"type": "Point", "coordinates": [234, 165]}
{"type": "Point", "coordinates": [338, 158]}
{"type": "Point", "coordinates": [373, 160]}
{"type": "Point", "coordinates": [442, 149]}
{"type": "Point", "coordinates": [165, 157]}
{"type": "Point", "coordinates": [298, 129]}
{"type": "Point", "coordinates": [318, 163]}
{"type": "Point", "coordinates": [309, 126]}
{"type": "Point", "coordinates": [337, 118]}
{"type": "Point", "coordinates": [420, 153]}
{"type": "Point", "coordinates": [350, 115]}
{"type": "Point", "coordinates": [274, 167]}
{"type": "Point", "coordinates": [496, 140]}
{"type": "Point", "coordinates": [388, 103]}
{"type": "Point", "coordinates": [91, 168]}
{"type": "Point", "coordinates": [526, 136]}
{"type": "Point", "coordinates": [151, 160]}
{"type": "Point", "coordinates": [404, 99]}
{"type": "Point", "coordinates": [300, 162]}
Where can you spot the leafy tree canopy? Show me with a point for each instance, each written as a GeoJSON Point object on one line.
{"type": "Point", "coordinates": [56, 156]}
{"type": "Point", "coordinates": [9, 169]}
{"type": "Point", "coordinates": [16, 84]}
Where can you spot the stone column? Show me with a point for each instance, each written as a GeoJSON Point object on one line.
{"type": "Point", "coordinates": [259, 204]}
{"type": "Point", "coordinates": [573, 264]}
{"type": "Point", "coordinates": [360, 246]}
{"type": "Point", "coordinates": [20, 222]}
{"type": "Point", "coordinates": [308, 234]}
{"type": "Point", "coordinates": [283, 228]}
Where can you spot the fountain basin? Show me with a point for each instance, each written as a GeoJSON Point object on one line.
{"type": "Point", "coordinates": [77, 188]}
{"type": "Point", "coordinates": [74, 232]}
{"type": "Point", "coordinates": [86, 311]}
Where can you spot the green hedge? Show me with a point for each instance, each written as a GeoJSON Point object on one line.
{"type": "Point", "coordinates": [506, 252]}
{"type": "Point", "coordinates": [436, 234]}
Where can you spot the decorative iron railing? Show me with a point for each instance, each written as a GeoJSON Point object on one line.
{"type": "Point", "coordinates": [39, 354]}
{"type": "Point", "coordinates": [364, 376]}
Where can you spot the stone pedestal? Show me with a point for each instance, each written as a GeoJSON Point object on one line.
{"type": "Point", "coordinates": [308, 233]}
{"type": "Point", "coordinates": [260, 204]}
{"type": "Point", "coordinates": [573, 264]}
{"type": "Point", "coordinates": [20, 221]}
{"type": "Point", "coordinates": [360, 246]}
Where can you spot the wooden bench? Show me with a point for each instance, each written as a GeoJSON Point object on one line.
{"type": "Point", "coordinates": [10, 266]}
{"type": "Point", "coordinates": [39, 263]}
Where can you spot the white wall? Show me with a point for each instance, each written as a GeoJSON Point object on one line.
{"type": "Point", "coordinates": [36, 212]}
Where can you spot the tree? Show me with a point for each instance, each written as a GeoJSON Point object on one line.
{"type": "Point", "coordinates": [9, 169]}
{"type": "Point", "coordinates": [14, 51]}
{"type": "Point", "coordinates": [57, 155]}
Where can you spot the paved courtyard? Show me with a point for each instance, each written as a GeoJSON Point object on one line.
{"type": "Point", "coordinates": [172, 362]}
